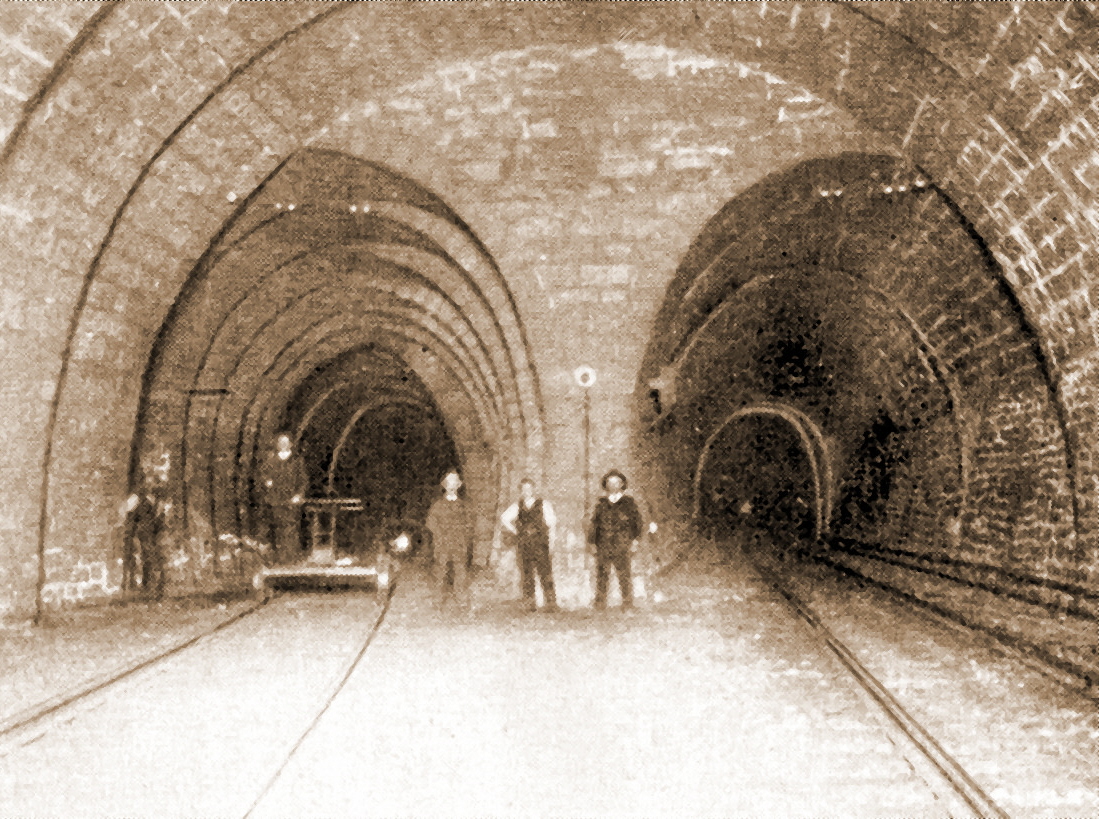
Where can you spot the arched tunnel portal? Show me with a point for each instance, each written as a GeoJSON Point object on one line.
{"type": "Point", "coordinates": [878, 217]}
{"type": "Point", "coordinates": [766, 464]}
{"type": "Point", "coordinates": [850, 299]}
{"type": "Point", "coordinates": [372, 431]}
{"type": "Point", "coordinates": [352, 328]}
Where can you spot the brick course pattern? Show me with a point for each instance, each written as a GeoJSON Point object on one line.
{"type": "Point", "coordinates": [586, 166]}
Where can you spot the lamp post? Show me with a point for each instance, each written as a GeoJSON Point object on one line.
{"type": "Point", "coordinates": [585, 377]}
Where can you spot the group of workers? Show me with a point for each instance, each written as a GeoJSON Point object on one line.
{"type": "Point", "coordinates": [614, 529]}
{"type": "Point", "coordinates": [148, 515]}
{"type": "Point", "coordinates": [613, 532]}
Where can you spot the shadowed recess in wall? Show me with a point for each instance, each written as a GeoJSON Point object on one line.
{"type": "Point", "coordinates": [851, 290]}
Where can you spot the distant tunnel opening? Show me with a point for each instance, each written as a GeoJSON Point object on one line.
{"type": "Point", "coordinates": [350, 308]}
{"type": "Point", "coordinates": [369, 429]}
{"type": "Point", "coordinates": [393, 460]}
{"type": "Point", "coordinates": [760, 485]}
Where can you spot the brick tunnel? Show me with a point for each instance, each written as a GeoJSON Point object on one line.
{"type": "Point", "coordinates": [832, 256]}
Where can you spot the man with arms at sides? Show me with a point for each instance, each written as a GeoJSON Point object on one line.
{"type": "Point", "coordinates": [531, 519]}
{"type": "Point", "coordinates": [451, 525]}
{"type": "Point", "coordinates": [615, 529]}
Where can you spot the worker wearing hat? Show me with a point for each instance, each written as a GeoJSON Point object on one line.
{"type": "Point", "coordinates": [615, 528]}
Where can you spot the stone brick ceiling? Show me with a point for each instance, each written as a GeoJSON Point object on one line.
{"type": "Point", "coordinates": [581, 168]}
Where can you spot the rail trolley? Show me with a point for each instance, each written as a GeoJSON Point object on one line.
{"type": "Point", "coordinates": [324, 567]}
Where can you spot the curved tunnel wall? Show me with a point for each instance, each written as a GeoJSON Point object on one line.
{"type": "Point", "coordinates": [372, 431]}
{"type": "Point", "coordinates": [820, 288]}
{"type": "Point", "coordinates": [301, 278]}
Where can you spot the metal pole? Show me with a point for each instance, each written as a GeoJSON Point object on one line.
{"type": "Point", "coordinates": [585, 379]}
{"type": "Point", "coordinates": [587, 453]}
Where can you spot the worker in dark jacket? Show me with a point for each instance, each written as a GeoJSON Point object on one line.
{"type": "Point", "coordinates": [615, 528]}
{"type": "Point", "coordinates": [147, 517]}
{"type": "Point", "coordinates": [283, 484]}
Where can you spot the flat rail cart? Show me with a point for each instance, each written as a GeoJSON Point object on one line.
{"type": "Point", "coordinates": [321, 569]}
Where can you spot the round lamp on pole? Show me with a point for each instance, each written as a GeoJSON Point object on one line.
{"type": "Point", "coordinates": [585, 377]}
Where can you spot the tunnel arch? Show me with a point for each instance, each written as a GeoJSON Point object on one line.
{"type": "Point", "coordinates": [383, 323]}
{"type": "Point", "coordinates": [928, 358]}
{"type": "Point", "coordinates": [849, 219]}
{"type": "Point", "coordinates": [445, 348]}
{"type": "Point", "coordinates": [241, 448]}
{"type": "Point", "coordinates": [344, 383]}
{"type": "Point", "coordinates": [266, 409]}
{"type": "Point", "coordinates": [948, 106]}
{"type": "Point", "coordinates": [255, 235]}
{"type": "Point", "coordinates": [383, 331]}
{"type": "Point", "coordinates": [378, 300]}
{"type": "Point", "coordinates": [288, 275]}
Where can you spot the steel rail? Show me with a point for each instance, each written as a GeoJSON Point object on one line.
{"type": "Point", "coordinates": [951, 770]}
{"type": "Point", "coordinates": [1064, 671]}
{"type": "Point", "coordinates": [354, 664]}
{"type": "Point", "coordinates": [42, 710]}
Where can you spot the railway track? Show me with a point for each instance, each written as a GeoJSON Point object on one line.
{"type": "Point", "coordinates": [914, 734]}
{"type": "Point", "coordinates": [54, 706]}
{"type": "Point", "coordinates": [335, 692]}
{"type": "Point", "coordinates": [967, 788]}
{"type": "Point", "coordinates": [26, 721]}
{"type": "Point", "coordinates": [1067, 672]}
{"type": "Point", "coordinates": [319, 670]}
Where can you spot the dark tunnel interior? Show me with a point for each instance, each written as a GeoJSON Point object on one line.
{"type": "Point", "coordinates": [393, 459]}
{"type": "Point", "coordinates": [811, 357]}
{"type": "Point", "coordinates": [367, 428]}
{"type": "Point", "coordinates": [760, 480]}
{"type": "Point", "coordinates": [816, 374]}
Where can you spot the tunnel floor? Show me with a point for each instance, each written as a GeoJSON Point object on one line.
{"type": "Point", "coordinates": [714, 701]}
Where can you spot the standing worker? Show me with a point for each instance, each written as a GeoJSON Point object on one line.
{"type": "Point", "coordinates": [533, 522]}
{"type": "Point", "coordinates": [147, 517]}
{"type": "Point", "coordinates": [283, 484]}
{"type": "Point", "coordinates": [615, 528]}
{"type": "Point", "coordinates": [135, 531]}
{"type": "Point", "coordinates": [451, 526]}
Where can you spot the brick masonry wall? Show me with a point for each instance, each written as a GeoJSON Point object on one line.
{"type": "Point", "coordinates": [35, 38]}
{"type": "Point", "coordinates": [599, 151]}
